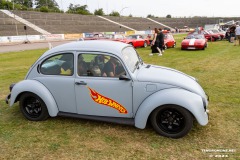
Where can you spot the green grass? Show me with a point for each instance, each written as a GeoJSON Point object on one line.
{"type": "Point", "coordinates": [217, 69]}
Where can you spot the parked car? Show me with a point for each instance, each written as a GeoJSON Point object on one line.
{"type": "Point", "coordinates": [136, 41]}
{"type": "Point", "coordinates": [215, 31]}
{"type": "Point", "coordinates": [108, 81]}
{"type": "Point", "coordinates": [93, 36]}
{"type": "Point", "coordinates": [169, 41]}
{"type": "Point", "coordinates": [115, 37]}
{"type": "Point", "coordinates": [210, 36]}
{"type": "Point", "coordinates": [194, 41]}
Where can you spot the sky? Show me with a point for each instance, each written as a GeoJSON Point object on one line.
{"type": "Point", "coordinates": [160, 8]}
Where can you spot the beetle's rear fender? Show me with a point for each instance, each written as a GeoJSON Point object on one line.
{"type": "Point", "coordinates": [38, 89]}
{"type": "Point", "coordinates": [188, 100]}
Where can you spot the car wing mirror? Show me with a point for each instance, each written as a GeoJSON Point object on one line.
{"type": "Point", "coordinates": [124, 78]}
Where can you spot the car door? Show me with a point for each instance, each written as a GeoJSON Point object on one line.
{"type": "Point", "coordinates": [97, 93]}
{"type": "Point", "coordinates": [57, 74]}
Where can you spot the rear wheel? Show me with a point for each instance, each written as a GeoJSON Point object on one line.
{"type": "Point", "coordinates": [145, 44]}
{"type": "Point", "coordinates": [165, 47]}
{"type": "Point", "coordinates": [171, 121]}
{"type": "Point", "coordinates": [33, 107]}
{"type": "Point", "coordinates": [174, 45]}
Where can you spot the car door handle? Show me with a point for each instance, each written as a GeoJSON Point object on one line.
{"type": "Point", "coordinates": [81, 83]}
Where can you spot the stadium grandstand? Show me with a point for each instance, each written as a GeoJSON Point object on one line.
{"type": "Point", "coordinates": [64, 23]}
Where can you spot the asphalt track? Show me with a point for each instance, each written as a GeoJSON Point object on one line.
{"type": "Point", "coordinates": [29, 46]}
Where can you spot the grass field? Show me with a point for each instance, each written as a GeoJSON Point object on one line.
{"type": "Point", "coordinates": [217, 69]}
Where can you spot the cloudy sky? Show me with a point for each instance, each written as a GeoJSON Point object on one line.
{"type": "Point", "coordinates": [176, 8]}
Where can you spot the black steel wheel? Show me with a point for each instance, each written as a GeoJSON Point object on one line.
{"type": "Point", "coordinates": [171, 121]}
{"type": "Point", "coordinates": [33, 107]}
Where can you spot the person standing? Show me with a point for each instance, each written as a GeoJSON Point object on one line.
{"type": "Point", "coordinates": [237, 35]}
{"type": "Point", "coordinates": [161, 40]}
{"type": "Point", "coordinates": [155, 45]}
{"type": "Point", "coordinates": [232, 33]}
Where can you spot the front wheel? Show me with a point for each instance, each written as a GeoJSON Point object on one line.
{"type": "Point", "coordinates": [33, 107]}
{"type": "Point", "coordinates": [171, 121]}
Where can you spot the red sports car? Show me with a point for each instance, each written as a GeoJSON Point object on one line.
{"type": "Point", "coordinates": [194, 41]}
{"type": "Point", "coordinates": [169, 41]}
{"type": "Point", "coordinates": [211, 36]}
{"type": "Point", "coordinates": [215, 31]}
{"type": "Point", "coordinates": [136, 41]}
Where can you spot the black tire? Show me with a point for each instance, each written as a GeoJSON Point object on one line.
{"type": "Point", "coordinates": [171, 121]}
{"type": "Point", "coordinates": [33, 107]}
{"type": "Point", "coordinates": [145, 44]}
{"type": "Point", "coordinates": [165, 47]}
{"type": "Point", "coordinates": [175, 44]}
{"type": "Point", "coordinates": [131, 43]}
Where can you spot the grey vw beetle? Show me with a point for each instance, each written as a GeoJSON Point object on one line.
{"type": "Point", "coordinates": [107, 81]}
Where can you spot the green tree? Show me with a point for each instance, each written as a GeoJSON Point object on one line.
{"type": "Point", "coordinates": [50, 4]}
{"type": "Point", "coordinates": [150, 16]}
{"type": "Point", "coordinates": [169, 16]}
{"type": "Point", "coordinates": [99, 12]}
{"type": "Point", "coordinates": [78, 9]}
{"type": "Point", "coordinates": [25, 3]}
{"type": "Point", "coordinates": [114, 13]}
{"type": "Point", "coordinates": [130, 15]}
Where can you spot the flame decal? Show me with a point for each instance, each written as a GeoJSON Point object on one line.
{"type": "Point", "coordinates": [100, 99]}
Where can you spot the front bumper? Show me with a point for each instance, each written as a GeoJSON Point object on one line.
{"type": "Point", "coordinates": [7, 98]}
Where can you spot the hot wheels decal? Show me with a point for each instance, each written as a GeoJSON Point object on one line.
{"type": "Point", "coordinates": [100, 99]}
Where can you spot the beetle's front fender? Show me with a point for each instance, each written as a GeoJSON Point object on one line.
{"type": "Point", "coordinates": [38, 89]}
{"type": "Point", "coordinates": [188, 100]}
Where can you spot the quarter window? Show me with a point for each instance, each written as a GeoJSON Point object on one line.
{"type": "Point", "coordinates": [61, 64]}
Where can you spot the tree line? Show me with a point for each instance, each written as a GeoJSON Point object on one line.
{"type": "Point", "coordinates": [52, 6]}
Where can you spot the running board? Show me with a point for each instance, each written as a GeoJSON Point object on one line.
{"type": "Point", "coordinates": [117, 120]}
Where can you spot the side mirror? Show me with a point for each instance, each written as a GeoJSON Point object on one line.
{"type": "Point", "coordinates": [124, 78]}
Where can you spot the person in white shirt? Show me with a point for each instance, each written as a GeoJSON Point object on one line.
{"type": "Point", "coordinates": [237, 35]}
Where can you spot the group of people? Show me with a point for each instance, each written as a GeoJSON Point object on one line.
{"type": "Point", "coordinates": [158, 42]}
{"type": "Point", "coordinates": [234, 34]}
{"type": "Point", "coordinates": [98, 67]}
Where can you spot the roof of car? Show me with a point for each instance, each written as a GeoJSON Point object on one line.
{"type": "Point", "coordinates": [91, 45]}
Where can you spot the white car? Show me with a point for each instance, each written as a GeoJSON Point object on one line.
{"type": "Point", "coordinates": [107, 81]}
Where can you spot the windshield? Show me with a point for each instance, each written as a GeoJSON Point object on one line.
{"type": "Point", "coordinates": [214, 31]}
{"type": "Point", "coordinates": [131, 58]}
{"type": "Point", "coordinates": [132, 37]}
{"type": "Point", "coordinates": [89, 35]}
{"type": "Point", "coordinates": [197, 36]}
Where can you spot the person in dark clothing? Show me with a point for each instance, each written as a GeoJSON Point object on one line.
{"type": "Point", "coordinates": [155, 45]}
{"type": "Point", "coordinates": [232, 33]}
{"type": "Point", "coordinates": [113, 68]}
{"type": "Point", "coordinates": [161, 40]}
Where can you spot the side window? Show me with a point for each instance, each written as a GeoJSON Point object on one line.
{"type": "Point", "coordinates": [61, 64]}
{"type": "Point", "coordinates": [99, 65]}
